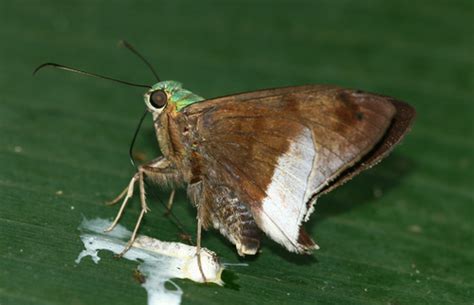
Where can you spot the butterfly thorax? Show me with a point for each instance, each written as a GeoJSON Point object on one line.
{"type": "Point", "coordinates": [172, 126]}
{"type": "Point", "coordinates": [168, 126]}
{"type": "Point", "coordinates": [179, 142]}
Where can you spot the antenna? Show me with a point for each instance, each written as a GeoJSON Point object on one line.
{"type": "Point", "coordinates": [127, 45]}
{"type": "Point", "coordinates": [70, 69]}
{"type": "Point", "coordinates": [130, 150]}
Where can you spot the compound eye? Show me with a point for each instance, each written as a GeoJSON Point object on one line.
{"type": "Point", "coordinates": [158, 99]}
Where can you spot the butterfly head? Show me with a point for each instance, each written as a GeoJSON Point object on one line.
{"type": "Point", "coordinates": [169, 93]}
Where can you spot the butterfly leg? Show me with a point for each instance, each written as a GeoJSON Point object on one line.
{"type": "Point", "coordinates": [144, 210]}
{"type": "Point", "coordinates": [161, 171]}
{"type": "Point", "coordinates": [170, 202]}
{"type": "Point", "coordinates": [118, 198]}
{"type": "Point", "coordinates": [128, 193]}
{"type": "Point", "coordinates": [198, 244]}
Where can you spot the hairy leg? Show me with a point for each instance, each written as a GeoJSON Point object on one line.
{"type": "Point", "coordinates": [160, 170]}
{"type": "Point", "coordinates": [170, 202]}
{"type": "Point", "coordinates": [198, 243]}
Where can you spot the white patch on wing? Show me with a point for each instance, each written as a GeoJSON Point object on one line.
{"type": "Point", "coordinates": [327, 163]}
{"type": "Point", "coordinates": [285, 205]}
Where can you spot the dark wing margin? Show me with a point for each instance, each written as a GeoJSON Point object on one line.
{"type": "Point", "coordinates": [400, 126]}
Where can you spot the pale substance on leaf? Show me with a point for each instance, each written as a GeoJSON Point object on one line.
{"type": "Point", "coordinates": [159, 261]}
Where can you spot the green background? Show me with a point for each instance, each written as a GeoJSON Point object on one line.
{"type": "Point", "coordinates": [401, 233]}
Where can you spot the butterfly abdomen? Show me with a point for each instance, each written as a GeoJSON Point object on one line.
{"type": "Point", "coordinates": [222, 209]}
{"type": "Point", "coordinates": [234, 220]}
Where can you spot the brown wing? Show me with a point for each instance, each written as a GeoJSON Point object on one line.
{"type": "Point", "coordinates": [276, 149]}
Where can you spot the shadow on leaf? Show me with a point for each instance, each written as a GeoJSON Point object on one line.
{"type": "Point", "coordinates": [365, 188]}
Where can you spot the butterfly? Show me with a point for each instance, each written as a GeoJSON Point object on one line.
{"type": "Point", "coordinates": [257, 162]}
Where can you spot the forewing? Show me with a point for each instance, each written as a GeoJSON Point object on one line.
{"type": "Point", "coordinates": [278, 148]}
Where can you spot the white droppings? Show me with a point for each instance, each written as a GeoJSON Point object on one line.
{"type": "Point", "coordinates": [72, 207]}
{"type": "Point", "coordinates": [159, 261]}
{"type": "Point", "coordinates": [17, 149]}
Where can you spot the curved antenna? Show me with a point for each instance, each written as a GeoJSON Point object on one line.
{"type": "Point", "coordinates": [127, 45]}
{"type": "Point", "coordinates": [70, 69]}
{"type": "Point", "coordinates": [130, 150]}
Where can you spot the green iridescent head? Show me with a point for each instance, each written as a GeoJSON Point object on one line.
{"type": "Point", "coordinates": [169, 92]}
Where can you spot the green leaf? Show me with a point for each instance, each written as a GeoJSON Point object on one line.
{"type": "Point", "coordinates": [401, 233]}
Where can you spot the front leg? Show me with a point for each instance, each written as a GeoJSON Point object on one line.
{"type": "Point", "coordinates": [161, 171]}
